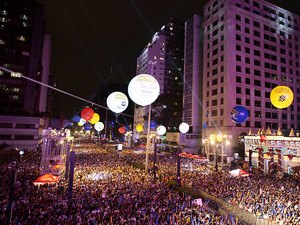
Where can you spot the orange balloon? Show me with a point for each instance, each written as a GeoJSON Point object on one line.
{"type": "Point", "coordinates": [122, 130]}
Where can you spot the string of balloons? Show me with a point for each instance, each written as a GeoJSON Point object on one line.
{"type": "Point", "coordinates": [59, 90]}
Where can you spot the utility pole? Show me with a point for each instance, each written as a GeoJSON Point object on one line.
{"type": "Point", "coordinates": [148, 129]}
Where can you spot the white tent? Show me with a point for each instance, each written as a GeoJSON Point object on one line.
{"type": "Point", "coordinates": [238, 173]}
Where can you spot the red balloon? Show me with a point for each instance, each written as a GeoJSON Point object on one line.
{"type": "Point", "coordinates": [87, 113]}
{"type": "Point", "coordinates": [263, 138]}
{"type": "Point", "coordinates": [122, 130]}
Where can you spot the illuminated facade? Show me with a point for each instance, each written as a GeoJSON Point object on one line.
{"type": "Point", "coordinates": [163, 59]}
{"type": "Point", "coordinates": [24, 49]}
{"type": "Point", "coordinates": [249, 47]}
{"type": "Point", "coordinates": [273, 153]}
{"type": "Point", "coordinates": [192, 88]}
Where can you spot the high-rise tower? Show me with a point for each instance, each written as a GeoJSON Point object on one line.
{"type": "Point", "coordinates": [163, 59]}
{"type": "Point", "coordinates": [24, 50]}
{"type": "Point", "coordinates": [193, 79]}
{"type": "Point", "coordinates": [249, 47]}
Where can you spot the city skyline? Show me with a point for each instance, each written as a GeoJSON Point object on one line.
{"type": "Point", "coordinates": [90, 49]}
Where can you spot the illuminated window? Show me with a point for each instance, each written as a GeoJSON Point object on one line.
{"type": "Point", "coordinates": [16, 89]}
{"type": "Point", "coordinates": [3, 12]}
{"type": "Point", "coordinates": [21, 38]}
{"type": "Point", "coordinates": [24, 17]}
{"type": "Point", "coordinates": [14, 74]}
{"type": "Point", "coordinates": [14, 97]}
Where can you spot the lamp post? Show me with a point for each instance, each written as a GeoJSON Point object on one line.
{"type": "Point", "coordinates": [218, 138]}
{"type": "Point", "coordinates": [149, 120]}
{"type": "Point", "coordinates": [71, 175]}
{"type": "Point", "coordinates": [204, 148]}
{"type": "Point", "coordinates": [212, 143]}
{"type": "Point", "coordinates": [148, 140]}
{"type": "Point", "coordinates": [9, 210]}
{"type": "Point", "coordinates": [216, 157]}
{"type": "Point", "coordinates": [227, 145]}
{"type": "Point", "coordinates": [179, 150]}
{"type": "Point", "coordinates": [144, 89]}
{"type": "Point", "coordinates": [160, 130]}
{"type": "Point", "coordinates": [154, 157]}
{"type": "Point", "coordinates": [183, 128]}
{"type": "Point", "coordinates": [250, 161]}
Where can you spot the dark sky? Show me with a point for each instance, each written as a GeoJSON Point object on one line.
{"type": "Point", "coordinates": [95, 40]}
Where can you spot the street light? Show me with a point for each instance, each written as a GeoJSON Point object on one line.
{"type": "Point", "coordinates": [218, 138]}
{"type": "Point", "coordinates": [144, 89]}
{"type": "Point", "coordinates": [160, 130]}
{"type": "Point", "coordinates": [250, 161]}
{"type": "Point", "coordinates": [156, 141]}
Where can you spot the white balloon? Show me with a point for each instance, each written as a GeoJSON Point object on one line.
{"type": "Point", "coordinates": [143, 89]}
{"type": "Point", "coordinates": [82, 121]}
{"type": "Point", "coordinates": [99, 126]}
{"type": "Point", "coordinates": [184, 128]}
{"type": "Point", "coordinates": [161, 130]}
{"type": "Point", "coordinates": [117, 102]}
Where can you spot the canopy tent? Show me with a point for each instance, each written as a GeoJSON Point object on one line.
{"type": "Point", "coordinates": [46, 179]}
{"type": "Point", "coordinates": [238, 173]}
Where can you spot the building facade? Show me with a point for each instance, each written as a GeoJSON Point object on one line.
{"type": "Point", "coordinates": [249, 48]}
{"type": "Point", "coordinates": [273, 153]}
{"type": "Point", "coordinates": [163, 59]}
{"type": "Point", "coordinates": [25, 50]}
{"type": "Point", "coordinates": [193, 78]}
{"type": "Point", "coordinates": [21, 132]}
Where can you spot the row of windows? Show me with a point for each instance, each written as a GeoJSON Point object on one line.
{"type": "Point", "coordinates": [18, 125]}
{"type": "Point", "coordinates": [257, 83]}
{"type": "Point", "coordinates": [257, 124]}
{"type": "Point", "coordinates": [266, 46]}
{"type": "Point", "coordinates": [17, 137]}
{"type": "Point", "coordinates": [257, 114]}
{"type": "Point", "coordinates": [257, 24]}
{"type": "Point", "coordinates": [238, 101]}
{"type": "Point", "coordinates": [272, 16]}
{"type": "Point", "coordinates": [273, 39]}
{"type": "Point", "coordinates": [266, 55]}
{"type": "Point", "coordinates": [265, 11]}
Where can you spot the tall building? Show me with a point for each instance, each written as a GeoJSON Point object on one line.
{"type": "Point", "coordinates": [193, 79]}
{"type": "Point", "coordinates": [24, 50]}
{"type": "Point", "coordinates": [249, 47]}
{"type": "Point", "coordinates": [163, 58]}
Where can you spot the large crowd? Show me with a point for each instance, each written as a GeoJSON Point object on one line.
{"type": "Point", "coordinates": [108, 189]}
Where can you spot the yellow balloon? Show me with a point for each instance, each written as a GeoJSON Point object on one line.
{"type": "Point", "coordinates": [80, 124]}
{"type": "Point", "coordinates": [139, 128]}
{"type": "Point", "coordinates": [95, 118]}
{"type": "Point", "coordinates": [281, 97]}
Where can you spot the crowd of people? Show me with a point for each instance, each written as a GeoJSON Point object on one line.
{"type": "Point", "coordinates": [108, 189]}
{"type": "Point", "coordinates": [267, 197]}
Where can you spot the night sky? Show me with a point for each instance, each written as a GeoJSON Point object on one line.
{"type": "Point", "coordinates": [95, 41]}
